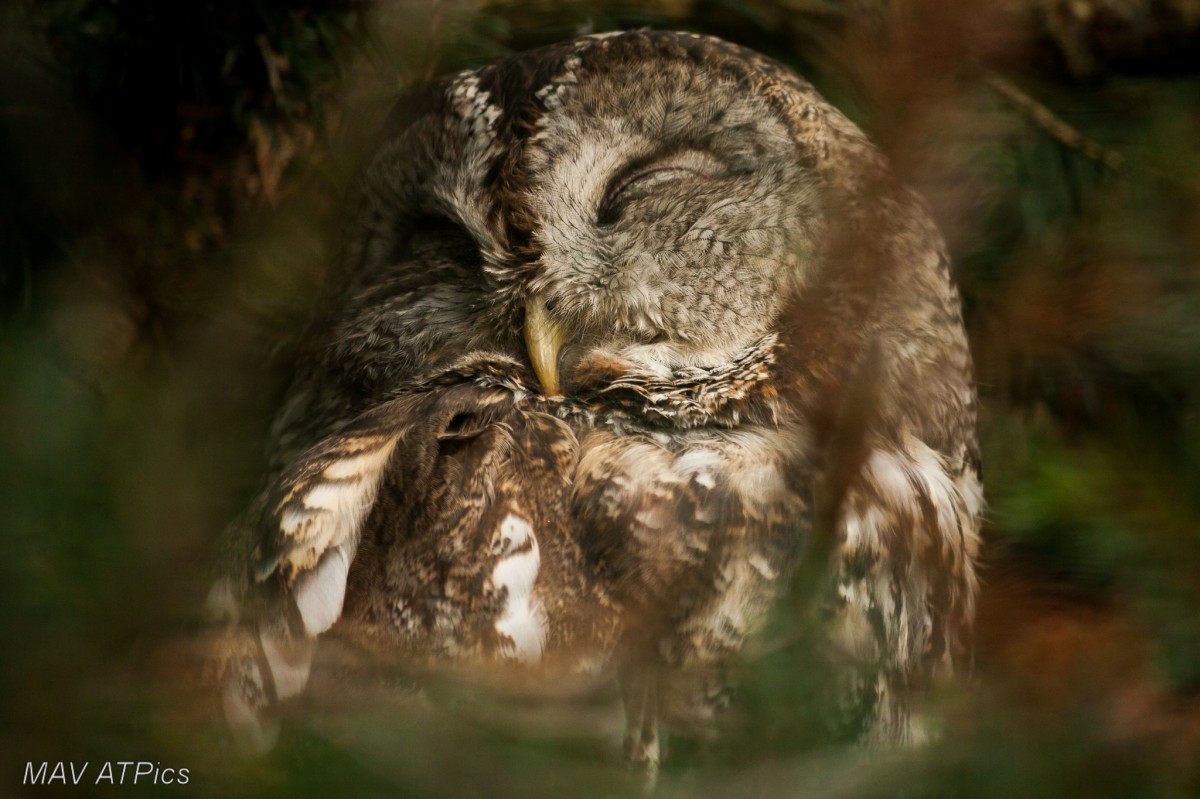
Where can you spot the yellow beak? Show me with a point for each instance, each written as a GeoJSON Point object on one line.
{"type": "Point", "coordinates": [543, 338]}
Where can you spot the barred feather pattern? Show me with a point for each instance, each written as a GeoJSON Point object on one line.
{"type": "Point", "coordinates": [721, 252]}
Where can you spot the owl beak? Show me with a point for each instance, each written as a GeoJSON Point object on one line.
{"type": "Point", "coordinates": [544, 338]}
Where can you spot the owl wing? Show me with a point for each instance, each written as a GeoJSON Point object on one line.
{"type": "Point", "coordinates": [452, 461]}
{"type": "Point", "coordinates": [293, 586]}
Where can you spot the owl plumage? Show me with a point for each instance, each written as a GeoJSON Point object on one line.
{"type": "Point", "coordinates": [617, 316]}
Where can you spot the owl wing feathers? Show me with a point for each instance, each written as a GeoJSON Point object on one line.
{"type": "Point", "coordinates": [295, 585]}
{"type": "Point", "coordinates": [492, 569]}
{"type": "Point", "coordinates": [322, 499]}
{"type": "Point", "coordinates": [905, 577]}
{"type": "Point", "coordinates": [447, 500]}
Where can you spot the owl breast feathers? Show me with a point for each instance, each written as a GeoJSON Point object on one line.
{"type": "Point", "coordinates": [618, 318]}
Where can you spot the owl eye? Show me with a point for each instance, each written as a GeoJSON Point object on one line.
{"type": "Point", "coordinates": [655, 174]}
{"type": "Point", "coordinates": [644, 174]}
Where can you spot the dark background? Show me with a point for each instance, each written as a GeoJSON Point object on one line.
{"type": "Point", "coordinates": [171, 179]}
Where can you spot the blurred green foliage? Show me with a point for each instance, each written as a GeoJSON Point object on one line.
{"type": "Point", "coordinates": [170, 183]}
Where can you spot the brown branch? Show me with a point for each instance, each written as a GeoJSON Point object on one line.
{"type": "Point", "coordinates": [1052, 124]}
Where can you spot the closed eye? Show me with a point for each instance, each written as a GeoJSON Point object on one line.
{"type": "Point", "coordinates": [644, 174]}
{"type": "Point", "coordinates": [655, 174]}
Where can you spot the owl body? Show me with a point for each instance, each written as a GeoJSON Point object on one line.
{"type": "Point", "coordinates": [617, 313]}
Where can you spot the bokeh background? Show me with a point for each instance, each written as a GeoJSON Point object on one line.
{"type": "Point", "coordinates": [171, 183]}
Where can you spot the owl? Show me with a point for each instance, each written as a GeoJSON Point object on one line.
{"type": "Point", "coordinates": [629, 330]}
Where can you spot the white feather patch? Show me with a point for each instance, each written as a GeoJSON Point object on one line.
{"type": "Point", "coordinates": [760, 564]}
{"type": "Point", "coordinates": [699, 464]}
{"type": "Point", "coordinates": [249, 731]}
{"type": "Point", "coordinates": [891, 478]}
{"type": "Point", "coordinates": [523, 621]}
{"type": "Point", "coordinates": [343, 498]}
{"type": "Point", "coordinates": [289, 662]}
{"type": "Point", "coordinates": [904, 480]}
{"type": "Point", "coordinates": [294, 519]}
{"type": "Point", "coordinates": [317, 516]}
{"type": "Point", "coordinates": [221, 603]}
{"type": "Point", "coordinates": [320, 593]}
{"type": "Point", "coordinates": [915, 497]}
{"type": "Point", "coordinates": [359, 466]}
{"type": "Point", "coordinates": [971, 490]}
{"type": "Point", "coordinates": [332, 510]}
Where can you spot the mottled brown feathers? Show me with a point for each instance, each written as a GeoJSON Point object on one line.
{"type": "Point", "coordinates": [755, 326]}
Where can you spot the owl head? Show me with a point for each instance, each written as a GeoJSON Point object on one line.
{"type": "Point", "coordinates": [633, 203]}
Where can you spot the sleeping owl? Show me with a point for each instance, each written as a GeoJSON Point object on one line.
{"type": "Point", "coordinates": [628, 328]}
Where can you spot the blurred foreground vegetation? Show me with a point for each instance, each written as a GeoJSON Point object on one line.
{"type": "Point", "coordinates": [171, 178]}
